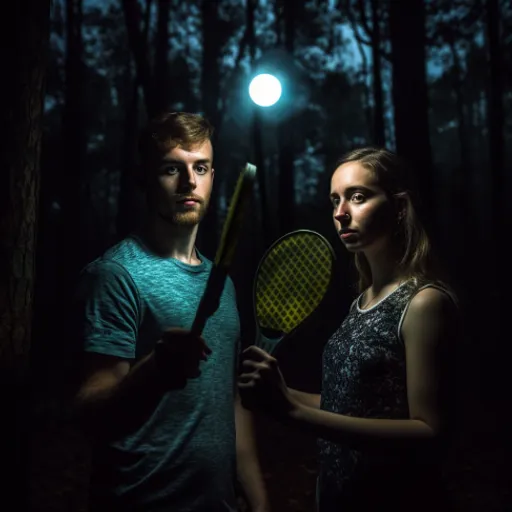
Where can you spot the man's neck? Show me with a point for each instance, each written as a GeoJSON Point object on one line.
{"type": "Point", "coordinates": [171, 241]}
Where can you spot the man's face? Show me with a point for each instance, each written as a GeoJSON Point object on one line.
{"type": "Point", "coordinates": [181, 184]}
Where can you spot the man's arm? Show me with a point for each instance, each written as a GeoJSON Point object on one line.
{"type": "Point", "coordinates": [248, 467]}
{"type": "Point", "coordinates": [117, 394]}
{"type": "Point", "coordinates": [115, 398]}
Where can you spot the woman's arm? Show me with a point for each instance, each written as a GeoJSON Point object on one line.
{"type": "Point", "coordinates": [309, 399]}
{"type": "Point", "coordinates": [428, 324]}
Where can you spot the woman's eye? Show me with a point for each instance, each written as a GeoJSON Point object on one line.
{"type": "Point", "coordinates": [357, 197]}
{"type": "Point", "coordinates": [335, 202]}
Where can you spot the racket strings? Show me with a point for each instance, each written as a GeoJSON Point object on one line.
{"type": "Point", "coordinates": [292, 281]}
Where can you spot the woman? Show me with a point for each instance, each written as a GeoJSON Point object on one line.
{"type": "Point", "coordinates": [382, 417]}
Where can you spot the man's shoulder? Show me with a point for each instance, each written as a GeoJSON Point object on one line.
{"type": "Point", "coordinates": [123, 256]}
{"type": "Point", "coordinates": [115, 263]}
{"type": "Point", "coordinates": [127, 251]}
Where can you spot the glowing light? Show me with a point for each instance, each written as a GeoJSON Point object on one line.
{"type": "Point", "coordinates": [265, 90]}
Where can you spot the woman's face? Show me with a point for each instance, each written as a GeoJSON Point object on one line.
{"type": "Point", "coordinates": [364, 216]}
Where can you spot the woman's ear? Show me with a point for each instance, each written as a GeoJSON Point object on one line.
{"type": "Point", "coordinates": [401, 202]}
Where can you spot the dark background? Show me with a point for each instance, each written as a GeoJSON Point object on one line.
{"type": "Point", "coordinates": [430, 79]}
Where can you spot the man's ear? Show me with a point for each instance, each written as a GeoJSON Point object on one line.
{"type": "Point", "coordinates": [213, 173]}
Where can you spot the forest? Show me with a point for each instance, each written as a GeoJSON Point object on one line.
{"type": "Point", "coordinates": [428, 78]}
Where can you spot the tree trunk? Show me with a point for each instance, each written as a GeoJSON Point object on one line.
{"type": "Point", "coordinates": [257, 141]}
{"type": "Point", "coordinates": [127, 211]}
{"type": "Point", "coordinates": [71, 166]}
{"type": "Point", "coordinates": [379, 133]}
{"type": "Point", "coordinates": [138, 47]}
{"type": "Point", "coordinates": [210, 98]}
{"type": "Point", "coordinates": [127, 208]}
{"type": "Point", "coordinates": [465, 158]}
{"type": "Point", "coordinates": [410, 96]}
{"type": "Point", "coordinates": [24, 56]}
{"type": "Point", "coordinates": [496, 116]}
{"type": "Point", "coordinates": [161, 69]}
{"type": "Point", "coordinates": [460, 197]}
{"type": "Point", "coordinates": [286, 182]}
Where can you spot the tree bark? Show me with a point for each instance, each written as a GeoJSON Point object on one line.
{"type": "Point", "coordinates": [410, 95]}
{"type": "Point", "coordinates": [71, 164]}
{"type": "Point", "coordinates": [286, 182]}
{"type": "Point", "coordinates": [465, 156]}
{"type": "Point", "coordinates": [374, 40]}
{"type": "Point", "coordinates": [139, 49]}
{"type": "Point", "coordinates": [257, 141]}
{"type": "Point", "coordinates": [379, 134]}
{"type": "Point", "coordinates": [161, 68]}
{"type": "Point", "coordinates": [128, 209]}
{"type": "Point", "coordinates": [210, 100]}
{"type": "Point", "coordinates": [24, 56]}
{"type": "Point", "coordinates": [496, 116]}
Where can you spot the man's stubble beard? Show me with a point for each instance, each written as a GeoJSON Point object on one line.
{"type": "Point", "coordinates": [187, 218]}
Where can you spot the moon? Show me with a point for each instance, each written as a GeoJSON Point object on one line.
{"type": "Point", "coordinates": [265, 90]}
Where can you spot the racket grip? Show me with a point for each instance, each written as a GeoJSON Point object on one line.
{"type": "Point", "coordinates": [210, 300]}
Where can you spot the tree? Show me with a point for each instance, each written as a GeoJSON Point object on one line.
{"type": "Point", "coordinates": [71, 164]}
{"type": "Point", "coordinates": [139, 48]}
{"type": "Point", "coordinates": [410, 98]}
{"type": "Point", "coordinates": [256, 128]}
{"type": "Point", "coordinates": [127, 213]}
{"type": "Point", "coordinates": [161, 68]}
{"type": "Point", "coordinates": [496, 119]}
{"type": "Point", "coordinates": [24, 55]}
{"type": "Point", "coordinates": [286, 182]}
{"type": "Point", "coordinates": [215, 32]}
{"type": "Point", "coordinates": [373, 31]}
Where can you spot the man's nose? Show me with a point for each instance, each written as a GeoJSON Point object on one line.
{"type": "Point", "coordinates": [188, 179]}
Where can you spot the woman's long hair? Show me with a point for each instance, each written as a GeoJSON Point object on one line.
{"type": "Point", "coordinates": [394, 174]}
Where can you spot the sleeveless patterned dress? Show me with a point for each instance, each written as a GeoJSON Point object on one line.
{"type": "Point", "coordinates": [364, 376]}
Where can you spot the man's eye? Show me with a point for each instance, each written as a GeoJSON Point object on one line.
{"type": "Point", "coordinates": [357, 197]}
{"type": "Point", "coordinates": [335, 202]}
{"type": "Point", "coordinates": [170, 169]}
{"type": "Point", "coordinates": [201, 169]}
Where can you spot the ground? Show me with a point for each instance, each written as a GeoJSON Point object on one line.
{"type": "Point", "coordinates": [478, 476]}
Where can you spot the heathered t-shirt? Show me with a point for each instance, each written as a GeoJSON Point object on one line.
{"type": "Point", "coordinates": [183, 458]}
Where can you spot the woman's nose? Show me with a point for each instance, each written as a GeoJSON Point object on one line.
{"type": "Point", "coordinates": [341, 214]}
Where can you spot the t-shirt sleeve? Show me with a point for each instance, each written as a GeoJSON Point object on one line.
{"type": "Point", "coordinates": [107, 310]}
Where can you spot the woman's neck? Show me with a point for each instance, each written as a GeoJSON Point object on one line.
{"type": "Point", "coordinates": [385, 270]}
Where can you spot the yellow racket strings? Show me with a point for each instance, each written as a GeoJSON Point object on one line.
{"type": "Point", "coordinates": [292, 281]}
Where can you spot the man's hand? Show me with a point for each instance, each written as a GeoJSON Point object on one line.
{"type": "Point", "coordinates": [178, 355]}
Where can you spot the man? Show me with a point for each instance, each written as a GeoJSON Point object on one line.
{"type": "Point", "coordinates": [162, 403]}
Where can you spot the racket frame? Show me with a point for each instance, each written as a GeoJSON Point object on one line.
{"type": "Point", "coordinates": [210, 300]}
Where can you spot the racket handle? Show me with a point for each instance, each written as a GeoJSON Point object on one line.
{"type": "Point", "coordinates": [210, 300]}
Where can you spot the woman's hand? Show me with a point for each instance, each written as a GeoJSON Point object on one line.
{"type": "Point", "coordinates": [261, 384]}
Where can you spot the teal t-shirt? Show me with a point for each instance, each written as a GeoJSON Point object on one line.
{"type": "Point", "coordinates": [183, 458]}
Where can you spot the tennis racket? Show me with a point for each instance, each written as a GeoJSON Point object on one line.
{"type": "Point", "coordinates": [226, 250]}
{"type": "Point", "coordinates": [292, 283]}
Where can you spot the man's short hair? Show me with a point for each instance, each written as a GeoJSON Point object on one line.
{"type": "Point", "coordinates": [167, 131]}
